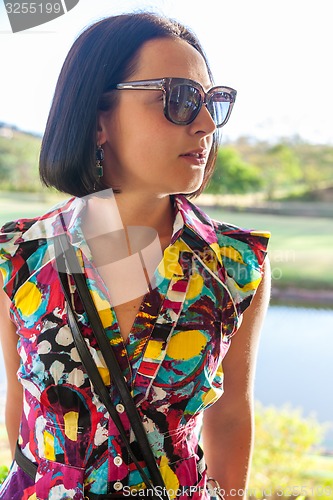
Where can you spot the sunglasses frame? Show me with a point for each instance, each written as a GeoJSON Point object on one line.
{"type": "Point", "coordinates": [168, 83]}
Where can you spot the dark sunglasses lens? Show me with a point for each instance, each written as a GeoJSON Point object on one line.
{"type": "Point", "coordinates": [184, 102]}
{"type": "Point", "coordinates": [218, 106]}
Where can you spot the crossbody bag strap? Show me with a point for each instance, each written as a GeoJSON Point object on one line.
{"type": "Point", "coordinates": [25, 463]}
{"type": "Point", "coordinates": [101, 389]}
{"type": "Point", "coordinates": [65, 250]}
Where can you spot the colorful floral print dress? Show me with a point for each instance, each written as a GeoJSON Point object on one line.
{"type": "Point", "coordinates": [172, 359]}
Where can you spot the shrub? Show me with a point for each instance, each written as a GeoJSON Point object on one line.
{"type": "Point", "coordinates": [286, 459]}
{"type": "Point", "coordinates": [3, 473]}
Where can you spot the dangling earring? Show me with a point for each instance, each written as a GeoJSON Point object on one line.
{"type": "Point", "coordinates": [99, 155]}
{"type": "Point", "coordinates": [99, 159]}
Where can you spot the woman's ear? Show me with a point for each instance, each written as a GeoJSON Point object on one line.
{"type": "Point", "coordinates": [101, 129]}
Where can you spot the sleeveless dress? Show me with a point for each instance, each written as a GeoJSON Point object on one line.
{"type": "Point", "coordinates": [172, 359]}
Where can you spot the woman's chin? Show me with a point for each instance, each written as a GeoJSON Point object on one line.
{"type": "Point", "coordinates": [190, 187]}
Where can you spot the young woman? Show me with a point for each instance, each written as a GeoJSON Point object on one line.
{"type": "Point", "coordinates": [132, 135]}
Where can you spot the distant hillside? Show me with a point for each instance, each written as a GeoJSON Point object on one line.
{"type": "Point", "coordinates": [288, 169]}
{"type": "Point", "coordinates": [7, 128]}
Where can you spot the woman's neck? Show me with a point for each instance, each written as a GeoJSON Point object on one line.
{"type": "Point", "coordinates": [114, 216]}
{"type": "Point", "coordinates": [154, 212]}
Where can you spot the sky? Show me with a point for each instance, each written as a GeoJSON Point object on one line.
{"type": "Point", "coordinates": [276, 53]}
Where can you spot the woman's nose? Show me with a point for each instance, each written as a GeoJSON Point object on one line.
{"type": "Point", "coordinates": [204, 122]}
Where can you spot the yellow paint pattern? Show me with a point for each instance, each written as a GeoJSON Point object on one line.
{"type": "Point", "coordinates": [216, 248]}
{"type": "Point", "coordinates": [170, 262]}
{"type": "Point", "coordinates": [49, 446]}
{"type": "Point", "coordinates": [28, 298]}
{"type": "Point", "coordinates": [264, 234]}
{"type": "Point", "coordinates": [213, 394]}
{"type": "Point", "coordinates": [103, 308]}
{"type": "Point", "coordinates": [253, 285]}
{"type": "Point", "coordinates": [71, 424]}
{"type": "Point", "coordinates": [169, 477]}
{"type": "Point", "coordinates": [195, 286]}
{"type": "Point", "coordinates": [219, 372]}
{"type": "Point", "coordinates": [3, 272]}
{"type": "Point", "coordinates": [186, 345]}
{"type": "Point", "coordinates": [209, 397]}
{"type": "Point", "coordinates": [105, 374]}
{"type": "Point", "coordinates": [232, 253]}
{"type": "Point", "coordinates": [80, 258]}
{"type": "Point", "coordinates": [154, 349]}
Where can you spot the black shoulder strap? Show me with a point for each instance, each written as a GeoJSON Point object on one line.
{"type": "Point", "coordinates": [65, 251]}
{"type": "Point", "coordinates": [25, 463]}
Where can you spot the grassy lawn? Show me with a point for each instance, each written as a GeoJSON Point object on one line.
{"type": "Point", "coordinates": [301, 248]}
{"type": "Point", "coordinates": [18, 205]}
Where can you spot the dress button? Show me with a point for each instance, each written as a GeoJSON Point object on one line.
{"type": "Point", "coordinates": [117, 461]}
{"type": "Point", "coordinates": [120, 408]}
{"type": "Point", "coordinates": [118, 486]}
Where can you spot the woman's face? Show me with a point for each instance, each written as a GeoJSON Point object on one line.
{"type": "Point", "coordinates": [144, 152]}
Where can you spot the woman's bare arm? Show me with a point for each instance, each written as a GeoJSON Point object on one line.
{"type": "Point", "coordinates": [14, 398]}
{"type": "Point", "coordinates": [228, 424]}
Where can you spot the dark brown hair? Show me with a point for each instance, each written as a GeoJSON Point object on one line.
{"type": "Point", "coordinates": [103, 55]}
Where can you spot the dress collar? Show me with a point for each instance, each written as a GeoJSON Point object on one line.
{"type": "Point", "coordinates": [192, 221]}
{"type": "Point", "coordinates": [67, 215]}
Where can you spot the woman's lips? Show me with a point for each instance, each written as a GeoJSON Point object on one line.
{"type": "Point", "coordinates": [198, 157]}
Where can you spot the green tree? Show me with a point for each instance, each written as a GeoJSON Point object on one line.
{"type": "Point", "coordinates": [281, 170]}
{"type": "Point", "coordinates": [233, 175]}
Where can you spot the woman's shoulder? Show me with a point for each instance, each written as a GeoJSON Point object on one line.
{"type": "Point", "coordinates": [20, 238]}
{"type": "Point", "coordinates": [241, 253]}
{"type": "Point", "coordinates": [28, 229]}
{"type": "Point", "coordinates": [225, 234]}
{"type": "Point", "coordinates": [11, 236]}
{"type": "Point", "coordinates": [241, 244]}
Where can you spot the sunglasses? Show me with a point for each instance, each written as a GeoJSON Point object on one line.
{"type": "Point", "coordinates": [183, 99]}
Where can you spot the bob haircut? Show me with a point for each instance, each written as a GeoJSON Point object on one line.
{"type": "Point", "coordinates": [103, 55]}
